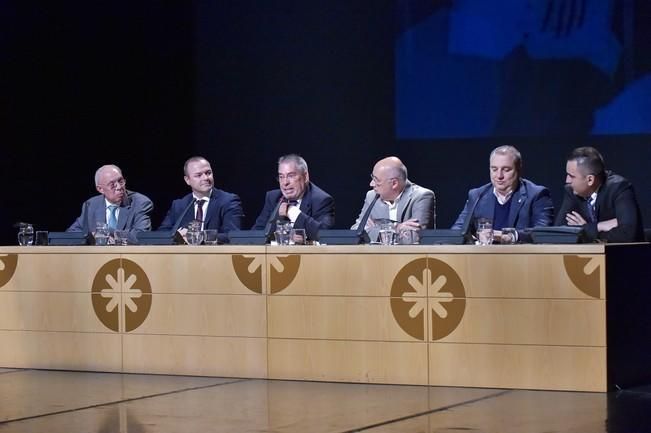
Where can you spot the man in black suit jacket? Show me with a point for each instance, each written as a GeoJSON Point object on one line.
{"type": "Point", "coordinates": [214, 208]}
{"type": "Point", "coordinates": [298, 200]}
{"type": "Point", "coordinates": [601, 201]}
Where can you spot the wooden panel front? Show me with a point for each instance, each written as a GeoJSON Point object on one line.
{"type": "Point", "coordinates": [348, 361]}
{"type": "Point", "coordinates": [191, 355]}
{"type": "Point", "coordinates": [335, 318]}
{"type": "Point", "coordinates": [61, 350]}
{"type": "Point", "coordinates": [571, 368]}
{"type": "Point", "coordinates": [566, 322]}
{"type": "Point", "coordinates": [215, 315]}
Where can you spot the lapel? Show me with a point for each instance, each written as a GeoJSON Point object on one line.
{"type": "Point", "coordinates": [212, 207]}
{"type": "Point", "coordinates": [517, 201]}
{"type": "Point", "coordinates": [306, 202]}
{"type": "Point", "coordinates": [405, 199]}
{"type": "Point", "coordinates": [98, 213]}
{"type": "Point", "coordinates": [125, 212]}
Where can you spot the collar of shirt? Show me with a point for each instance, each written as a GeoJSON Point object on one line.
{"type": "Point", "coordinates": [593, 198]}
{"type": "Point", "coordinates": [501, 199]}
{"type": "Point", "coordinates": [393, 207]}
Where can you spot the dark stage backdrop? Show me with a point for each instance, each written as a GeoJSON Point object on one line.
{"type": "Point", "coordinates": [146, 84]}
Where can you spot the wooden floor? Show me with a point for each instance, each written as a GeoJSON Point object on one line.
{"type": "Point", "coordinates": [61, 401]}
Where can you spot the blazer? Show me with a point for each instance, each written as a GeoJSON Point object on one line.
{"type": "Point", "coordinates": [134, 213]}
{"type": "Point", "coordinates": [317, 211]}
{"type": "Point", "coordinates": [224, 213]}
{"type": "Point", "coordinates": [415, 202]}
{"type": "Point", "coordinates": [531, 206]}
{"type": "Point", "coordinates": [615, 199]}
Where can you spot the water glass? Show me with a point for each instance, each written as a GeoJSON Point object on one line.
{"type": "Point", "coordinates": [408, 236]}
{"type": "Point", "coordinates": [210, 237]}
{"type": "Point", "coordinates": [283, 232]}
{"type": "Point", "coordinates": [194, 237]}
{"type": "Point", "coordinates": [509, 236]}
{"type": "Point", "coordinates": [387, 233]}
{"type": "Point", "coordinates": [485, 231]}
{"type": "Point", "coordinates": [101, 233]}
{"type": "Point", "coordinates": [121, 237]}
{"type": "Point", "coordinates": [26, 234]}
{"type": "Point", "coordinates": [297, 237]}
{"type": "Point", "coordinates": [41, 238]}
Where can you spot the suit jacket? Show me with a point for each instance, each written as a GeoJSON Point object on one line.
{"type": "Point", "coordinates": [224, 213]}
{"type": "Point", "coordinates": [415, 202]}
{"type": "Point", "coordinates": [317, 211]}
{"type": "Point", "coordinates": [133, 214]}
{"type": "Point", "coordinates": [615, 199]}
{"type": "Point", "coordinates": [531, 206]}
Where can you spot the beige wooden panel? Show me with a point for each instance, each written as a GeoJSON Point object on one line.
{"type": "Point", "coordinates": [43, 311]}
{"type": "Point", "coordinates": [329, 317]}
{"type": "Point", "coordinates": [201, 356]}
{"type": "Point", "coordinates": [56, 272]}
{"type": "Point", "coordinates": [348, 361]}
{"type": "Point", "coordinates": [61, 350]}
{"type": "Point", "coordinates": [567, 322]}
{"type": "Point", "coordinates": [564, 368]}
{"type": "Point", "coordinates": [342, 274]}
{"type": "Point", "coordinates": [195, 273]}
{"type": "Point", "coordinates": [216, 315]}
{"type": "Point", "coordinates": [526, 275]}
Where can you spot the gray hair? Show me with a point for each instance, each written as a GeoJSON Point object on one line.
{"type": "Point", "coordinates": [300, 163]}
{"type": "Point", "coordinates": [509, 150]}
{"type": "Point", "coordinates": [99, 170]}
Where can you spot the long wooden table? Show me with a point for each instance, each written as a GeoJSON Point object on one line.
{"type": "Point", "coordinates": [571, 317]}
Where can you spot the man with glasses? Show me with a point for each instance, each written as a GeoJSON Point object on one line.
{"type": "Point", "coordinates": [297, 200]}
{"type": "Point", "coordinates": [601, 201]}
{"type": "Point", "coordinates": [116, 206]}
{"type": "Point", "coordinates": [394, 198]}
{"type": "Point", "coordinates": [211, 207]}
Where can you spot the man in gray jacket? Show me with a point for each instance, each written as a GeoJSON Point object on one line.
{"type": "Point", "coordinates": [394, 198]}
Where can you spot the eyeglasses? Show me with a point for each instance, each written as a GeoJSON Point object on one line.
{"type": "Point", "coordinates": [290, 177]}
{"type": "Point", "coordinates": [114, 183]}
{"type": "Point", "coordinates": [377, 181]}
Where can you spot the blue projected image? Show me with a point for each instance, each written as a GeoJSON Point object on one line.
{"type": "Point", "coordinates": [478, 68]}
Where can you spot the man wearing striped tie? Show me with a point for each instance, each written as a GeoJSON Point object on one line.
{"type": "Point", "coordinates": [115, 206]}
{"type": "Point", "coordinates": [601, 201]}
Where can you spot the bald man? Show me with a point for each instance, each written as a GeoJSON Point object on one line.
{"type": "Point", "coordinates": [399, 200]}
{"type": "Point", "coordinates": [120, 208]}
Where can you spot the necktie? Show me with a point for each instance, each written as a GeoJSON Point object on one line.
{"type": "Point", "coordinates": [592, 215]}
{"type": "Point", "coordinates": [199, 215]}
{"type": "Point", "coordinates": [113, 220]}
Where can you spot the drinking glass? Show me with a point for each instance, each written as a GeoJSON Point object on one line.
{"type": "Point", "coordinates": [26, 234]}
{"type": "Point", "coordinates": [101, 233]}
{"type": "Point", "coordinates": [387, 233]}
{"type": "Point", "coordinates": [41, 238]}
{"type": "Point", "coordinates": [485, 231]}
{"type": "Point", "coordinates": [297, 237]}
{"type": "Point", "coordinates": [210, 237]}
{"type": "Point", "coordinates": [121, 237]}
{"type": "Point", "coordinates": [407, 236]}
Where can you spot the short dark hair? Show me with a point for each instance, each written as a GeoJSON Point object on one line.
{"type": "Point", "coordinates": [192, 159]}
{"type": "Point", "coordinates": [589, 161]}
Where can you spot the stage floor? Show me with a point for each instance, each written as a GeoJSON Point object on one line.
{"type": "Point", "coordinates": [62, 401]}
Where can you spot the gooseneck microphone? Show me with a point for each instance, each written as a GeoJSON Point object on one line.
{"type": "Point", "coordinates": [177, 224]}
{"type": "Point", "coordinates": [362, 223]}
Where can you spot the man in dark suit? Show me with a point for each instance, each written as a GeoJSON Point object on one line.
{"type": "Point", "coordinates": [117, 207]}
{"type": "Point", "coordinates": [508, 200]}
{"type": "Point", "coordinates": [211, 207]}
{"type": "Point", "coordinates": [601, 201]}
{"type": "Point", "coordinates": [297, 200]}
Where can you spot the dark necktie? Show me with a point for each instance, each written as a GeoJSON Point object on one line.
{"type": "Point", "coordinates": [592, 215]}
{"type": "Point", "coordinates": [199, 216]}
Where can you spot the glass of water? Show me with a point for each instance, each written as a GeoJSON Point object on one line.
{"type": "Point", "coordinates": [485, 231]}
{"type": "Point", "coordinates": [387, 233]}
{"type": "Point", "coordinates": [25, 234]}
{"type": "Point", "coordinates": [101, 233]}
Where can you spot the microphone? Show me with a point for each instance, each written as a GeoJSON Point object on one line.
{"type": "Point", "coordinates": [469, 217]}
{"type": "Point", "coordinates": [177, 224]}
{"type": "Point", "coordinates": [85, 229]}
{"type": "Point", "coordinates": [271, 221]}
{"type": "Point", "coordinates": [362, 223]}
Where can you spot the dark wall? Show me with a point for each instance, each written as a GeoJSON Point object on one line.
{"type": "Point", "coordinates": [147, 84]}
